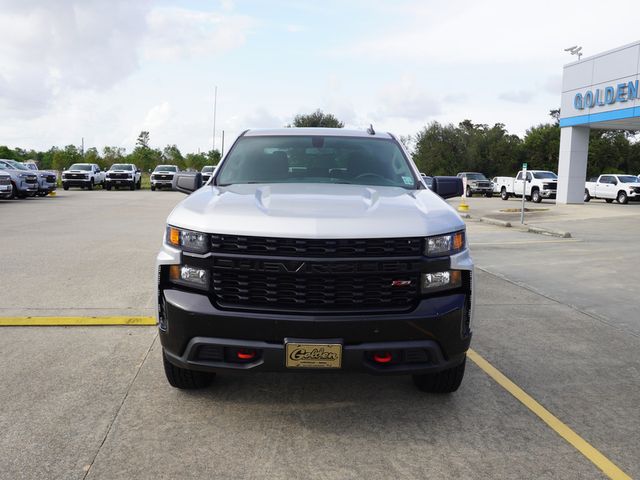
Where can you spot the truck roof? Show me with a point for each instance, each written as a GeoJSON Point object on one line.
{"type": "Point", "coordinates": [301, 131]}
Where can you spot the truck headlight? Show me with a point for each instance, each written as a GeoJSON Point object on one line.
{"type": "Point", "coordinates": [188, 240]}
{"type": "Point", "coordinates": [189, 276]}
{"type": "Point", "coordinates": [445, 244]}
{"type": "Point", "coordinates": [433, 282]}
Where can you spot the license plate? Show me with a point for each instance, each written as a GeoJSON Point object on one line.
{"type": "Point", "coordinates": [313, 355]}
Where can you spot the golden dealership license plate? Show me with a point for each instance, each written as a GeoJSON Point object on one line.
{"type": "Point", "coordinates": [313, 355]}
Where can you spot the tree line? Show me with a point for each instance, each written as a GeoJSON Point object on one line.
{"type": "Point", "coordinates": [437, 149]}
{"type": "Point", "coordinates": [448, 149]}
{"type": "Point", "coordinates": [143, 156]}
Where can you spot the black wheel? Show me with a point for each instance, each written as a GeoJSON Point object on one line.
{"type": "Point", "coordinates": [468, 192]}
{"type": "Point", "coordinates": [608, 200]}
{"type": "Point", "coordinates": [107, 186]}
{"type": "Point", "coordinates": [65, 186]}
{"type": "Point", "coordinates": [503, 194]}
{"type": "Point", "coordinates": [104, 185]}
{"type": "Point", "coordinates": [132, 186]}
{"type": "Point", "coordinates": [535, 196]}
{"type": "Point", "coordinates": [446, 381]}
{"type": "Point", "coordinates": [587, 197]}
{"type": "Point", "coordinates": [488, 194]}
{"type": "Point", "coordinates": [139, 184]}
{"type": "Point", "coordinates": [91, 184]}
{"type": "Point", "coordinates": [186, 379]}
{"type": "Point", "coordinates": [153, 188]}
{"type": "Point", "coordinates": [622, 197]}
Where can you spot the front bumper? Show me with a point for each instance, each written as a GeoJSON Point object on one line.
{"type": "Point", "coordinates": [198, 336]}
{"type": "Point", "coordinates": [119, 181]}
{"type": "Point", "coordinates": [162, 183]}
{"type": "Point", "coordinates": [548, 193]}
{"type": "Point", "coordinates": [6, 191]}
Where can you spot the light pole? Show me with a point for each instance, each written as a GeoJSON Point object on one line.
{"type": "Point", "coordinates": [215, 101]}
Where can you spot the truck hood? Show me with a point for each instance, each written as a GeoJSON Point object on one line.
{"type": "Point", "coordinates": [316, 211]}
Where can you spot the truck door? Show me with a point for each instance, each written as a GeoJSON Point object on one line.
{"type": "Point", "coordinates": [518, 184]}
{"type": "Point", "coordinates": [606, 187]}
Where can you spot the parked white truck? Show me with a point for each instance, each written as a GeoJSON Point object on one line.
{"type": "Point", "coordinates": [539, 184]}
{"type": "Point", "coordinates": [613, 187]}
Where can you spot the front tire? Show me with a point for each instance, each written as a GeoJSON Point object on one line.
{"type": "Point", "coordinates": [622, 198]}
{"type": "Point", "coordinates": [503, 194]}
{"type": "Point", "coordinates": [139, 184]}
{"type": "Point", "coordinates": [132, 186]}
{"type": "Point", "coordinates": [65, 186]}
{"type": "Point", "coordinates": [107, 186]}
{"type": "Point", "coordinates": [587, 197]}
{"type": "Point", "coordinates": [91, 184]}
{"type": "Point", "coordinates": [153, 188]}
{"type": "Point", "coordinates": [186, 379]}
{"type": "Point", "coordinates": [446, 381]}
{"type": "Point", "coordinates": [535, 196]}
{"type": "Point", "coordinates": [488, 194]}
{"type": "Point", "coordinates": [608, 200]}
{"type": "Point", "coordinates": [468, 192]}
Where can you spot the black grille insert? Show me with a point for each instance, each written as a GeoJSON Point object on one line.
{"type": "Point", "coordinates": [309, 292]}
{"type": "Point", "coordinates": [295, 247]}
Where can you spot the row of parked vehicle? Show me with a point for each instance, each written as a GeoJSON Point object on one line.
{"type": "Point", "coordinates": [536, 184]}
{"type": "Point", "coordinates": [22, 180]}
{"type": "Point", "coordinates": [121, 175]}
{"type": "Point", "coordinates": [540, 184]}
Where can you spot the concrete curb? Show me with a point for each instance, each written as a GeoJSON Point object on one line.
{"type": "Point", "coordinates": [526, 228]}
{"type": "Point", "coordinates": [494, 221]}
{"type": "Point", "coordinates": [548, 231]}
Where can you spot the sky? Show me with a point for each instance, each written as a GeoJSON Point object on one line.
{"type": "Point", "coordinates": [104, 70]}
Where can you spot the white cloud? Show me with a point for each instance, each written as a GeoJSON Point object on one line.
{"type": "Point", "coordinates": [406, 100]}
{"type": "Point", "coordinates": [519, 96]}
{"type": "Point", "coordinates": [50, 48]}
{"type": "Point", "coordinates": [178, 34]}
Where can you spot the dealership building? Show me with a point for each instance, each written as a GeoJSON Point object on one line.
{"type": "Point", "coordinates": [600, 91]}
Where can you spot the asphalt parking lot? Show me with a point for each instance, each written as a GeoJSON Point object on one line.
{"type": "Point", "coordinates": [556, 316]}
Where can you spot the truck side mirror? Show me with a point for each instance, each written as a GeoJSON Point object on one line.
{"type": "Point", "coordinates": [188, 182]}
{"type": "Point", "coordinates": [448, 187]}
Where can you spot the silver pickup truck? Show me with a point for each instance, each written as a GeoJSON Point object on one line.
{"type": "Point", "coordinates": [47, 181]}
{"type": "Point", "coordinates": [23, 181]}
{"type": "Point", "coordinates": [315, 249]}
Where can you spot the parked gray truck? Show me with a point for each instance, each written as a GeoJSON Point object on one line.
{"type": "Point", "coordinates": [24, 182]}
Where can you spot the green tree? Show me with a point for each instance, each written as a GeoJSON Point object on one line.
{"type": "Point", "coordinates": [541, 147]}
{"type": "Point", "coordinates": [143, 139]}
{"type": "Point", "coordinates": [172, 155]}
{"type": "Point", "coordinates": [91, 155]}
{"type": "Point", "coordinates": [317, 119]}
{"type": "Point", "coordinates": [111, 155]}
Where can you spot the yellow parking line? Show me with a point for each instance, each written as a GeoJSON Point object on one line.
{"type": "Point", "coordinates": [597, 458]}
{"type": "Point", "coordinates": [74, 321]}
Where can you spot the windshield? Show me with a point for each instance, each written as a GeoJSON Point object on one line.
{"type": "Point", "coordinates": [543, 175]}
{"type": "Point", "coordinates": [476, 176]}
{"type": "Point", "coordinates": [628, 179]}
{"type": "Point", "coordinates": [80, 166]}
{"type": "Point", "coordinates": [121, 166]}
{"type": "Point", "coordinates": [316, 159]}
{"type": "Point", "coordinates": [16, 165]}
{"type": "Point", "coordinates": [166, 168]}
{"type": "Point", "coordinates": [207, 169]}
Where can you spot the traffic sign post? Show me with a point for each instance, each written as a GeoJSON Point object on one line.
{"type": "Point", "coordinates": [524, 190]}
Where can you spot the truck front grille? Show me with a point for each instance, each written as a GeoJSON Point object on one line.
{"type": "Point", "coordinates": [32, 179]}
{"type": "Point", "coordinates": [551, 186]}
{"type": "Point", "coordinates": [119, 175]}
{"type": "Point", "coordinates": [5, 180]}
{"type": "Point", "coordinates": [287, 291]}
{"type": "Point", "coordinates": [296, 247]}
{"type": "Point", "coordinates": [51, 179]}
{"type": "Point", "coordinates": [162, 177]}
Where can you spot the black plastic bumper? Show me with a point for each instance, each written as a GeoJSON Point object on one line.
{"type": "Point", "coordinates": [437, 327]}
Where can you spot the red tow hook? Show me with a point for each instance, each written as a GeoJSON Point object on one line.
{"type": "Point", "coordinates": [382, 357]}
{"type": "Point", "coordinates": [245, 354]}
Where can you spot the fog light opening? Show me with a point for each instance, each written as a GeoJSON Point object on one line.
{"type": "Point", "coordinates": [382, 357]}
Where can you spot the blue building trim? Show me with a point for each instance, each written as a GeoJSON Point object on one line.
{"type": "Point", "coordinates": [621, 114]}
